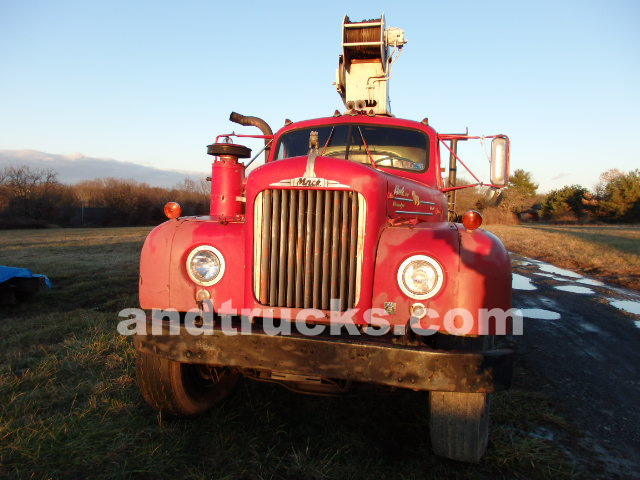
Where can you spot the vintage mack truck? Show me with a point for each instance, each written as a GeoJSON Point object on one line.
{"type": "Point", "coordinates": [348, 228]}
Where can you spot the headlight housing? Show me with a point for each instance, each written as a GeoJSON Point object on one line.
{"type": "Point", "coordinates": [205, 265]}
{"type": "Point", "coordinates": [420, 277]}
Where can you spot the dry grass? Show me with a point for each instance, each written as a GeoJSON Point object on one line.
{"type": "Point", "coordinates": [609, 252]}
{"type": "Point", "coordinates": [69, 406]}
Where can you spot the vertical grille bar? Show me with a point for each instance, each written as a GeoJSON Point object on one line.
{"type": "Point", "coordinates": [326, 249]}
{"type": "Point", "coordinates": [353, 246]}
{"type": "Point", "coordinates": [300, 249]}
{"type": "Point", "coordinates": [317, 249]}
{"type": "Point", "coordinates": [275, 243]}
{"type": "Point", "coordinates": [282, 261]}
{"type": "Point", "coordinates": [291, 247]}
{"type": "Point", "coordinates": [265, 247]}
{"type": "Point", "coordinates": [335, 245]}
{"type": "Point", "coordinates": [344, 251]}
{"type": "Point", "coordinates": [308, 248]}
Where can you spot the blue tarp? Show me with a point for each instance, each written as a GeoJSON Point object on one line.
{"type": "Point", "coordinates": [7, 273]}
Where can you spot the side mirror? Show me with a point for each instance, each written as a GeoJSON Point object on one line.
{"type": "Point", "coordinates": [500, 161]}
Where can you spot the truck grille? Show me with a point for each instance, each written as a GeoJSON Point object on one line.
{"type": "Point", "coordinates": [308, 248]}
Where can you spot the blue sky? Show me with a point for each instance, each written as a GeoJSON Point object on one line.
{"type": "Point", "coordinates": [154, 82]}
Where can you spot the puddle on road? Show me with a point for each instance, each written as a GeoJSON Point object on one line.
{"type": "Point", "coordinates": [547, 267]}
{"type": "Point", "coordinates": [555, 277]}
{"type": "Point", "coordinates": [626, 305]}
{"type": "Point", "coordinates": [562, 275]}
{"type": "Point", "coordinates": [574, 289]}
{"type": "Point", "coordinates": [520, 282]}
{"type": "Point", "coordinates": [539, 314]}
{"type": "Point", "coordinates": [591, 281]}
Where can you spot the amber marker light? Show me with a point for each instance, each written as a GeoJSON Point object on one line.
{"type": "Point", "coordinates": [172, 210]}
{"type": "Point", "coordinates": [472, 220]}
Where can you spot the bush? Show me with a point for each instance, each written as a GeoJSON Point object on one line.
{"type": "Point", "coordinates": [498, 216]}
{"type": "Point", "coordinates": [567, 204]}
{"type": "Point", "coordinates": [520, 195]}
{"type": "Point", "coordinates": [619, 196]}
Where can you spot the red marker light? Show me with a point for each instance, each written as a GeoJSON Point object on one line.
{"type": "Point", "coordinates": [172, 210]}
{"type": "Point", "coordinates": [472, 220]}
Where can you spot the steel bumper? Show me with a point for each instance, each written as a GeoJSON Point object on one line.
{"type": "Point", "coordinates": [360, 359]}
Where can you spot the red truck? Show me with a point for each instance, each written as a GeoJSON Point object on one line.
{"type": "Point", "coordinates": [338, 262]}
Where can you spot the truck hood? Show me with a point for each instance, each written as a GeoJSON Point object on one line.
{"type": "Point", "coordinates": [317, 172]}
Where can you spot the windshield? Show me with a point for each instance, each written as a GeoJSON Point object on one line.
{"type": "Point", "coordinates": [389, 147]}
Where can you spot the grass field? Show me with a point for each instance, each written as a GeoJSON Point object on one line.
{"type": "Point", "coordinates": [609, 252]}
{"type": "Point", "coordinates": [70, 409]}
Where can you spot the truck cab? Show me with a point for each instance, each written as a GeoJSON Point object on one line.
{"type": "Point", "coordinates": [333, 264]}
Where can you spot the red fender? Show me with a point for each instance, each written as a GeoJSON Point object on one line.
{"type": "Point", "coordinates": [476, 267]}
{"type": "Point", "coordinates": [164, 282]}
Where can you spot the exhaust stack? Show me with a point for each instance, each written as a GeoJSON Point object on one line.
{"type": "Point", "coordinates": [254, 122]}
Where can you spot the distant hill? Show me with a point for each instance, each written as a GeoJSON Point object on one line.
{"type": "Point", "coordinates": [77, 167]}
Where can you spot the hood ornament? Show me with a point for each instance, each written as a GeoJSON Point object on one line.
{"type": "Point", "coordinates": [309, 178]}
{"type": "Point", "coordinates": [313, 153]}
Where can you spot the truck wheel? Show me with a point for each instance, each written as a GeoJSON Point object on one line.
{"type": "Point", "coordinates": [182, 389]}
{"type": "Point", "coordinates": [459, 425]}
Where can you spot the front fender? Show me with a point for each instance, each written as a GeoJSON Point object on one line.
{"type": "Point", "coordinates": [438, 240]}
{"type": "Point", "coordinates": [476, 268]}
{"type": "Point", "coordinates": [164, 282]}
{"type": "Point", "coordinates": [484, 279]}
{"type": "Point", "coordinates": [155, 259]}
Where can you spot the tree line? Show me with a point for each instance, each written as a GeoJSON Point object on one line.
{"type": "Point", "coordinates": [31, 198]}
{"type": "Point", "coordinates": [615, 199]}
{"type": "Point", "coordinates": [36, 198]}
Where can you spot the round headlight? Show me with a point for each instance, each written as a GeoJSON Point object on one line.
{"type": "Point", "coordinates": [420, 277]}
{"type": "Point", "coordinates": [205, 265]}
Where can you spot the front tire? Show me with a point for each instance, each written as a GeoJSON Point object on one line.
{"type": "Point", "coordinates": [459, 422]}
{"type": "Point", "coordinates": [459, 425]}
{"type": "Point", "coordinates": [182, 389]}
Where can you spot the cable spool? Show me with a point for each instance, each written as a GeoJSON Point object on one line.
{"type": "Point", "coordinates": [363, 40]}
{"type": "Point", "coordinates": [364, 68]}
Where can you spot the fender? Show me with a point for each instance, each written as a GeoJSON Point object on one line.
{"type": "Point", "coordinates": [484, 277]}
{"type": "Point", "coordinates": [164, 282]}
{"type": "Point", "coordinates": [477, 272]}
{"type": "Point", "coordinates": [155, 258]}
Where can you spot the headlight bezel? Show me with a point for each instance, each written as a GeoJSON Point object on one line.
{"type": "Point", "coordinates": [217, 253]}
{"type": "Point", "coordinates": [436, 267]}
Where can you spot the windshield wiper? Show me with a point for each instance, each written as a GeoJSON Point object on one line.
{"type": "Point", "coordinates": [328, 141]}
{"type": "Point", "coordinates": [366, 147]}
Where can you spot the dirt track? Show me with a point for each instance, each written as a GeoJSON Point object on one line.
{"type": "Point", "coordinates": [582, 348]}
